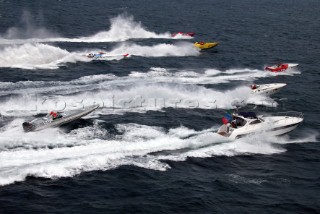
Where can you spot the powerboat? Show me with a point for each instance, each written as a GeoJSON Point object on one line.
{"type": "Point", "coordinates": [267, 89]}
{"type": "Point", "coordinates": [190, 34]}
{"type": "Point", "coordinates": [280, 67]}
{"type": "Point", "coordinates": [246, 123]}
{"type": "Point", "coordinates": [55, 119]}
{"type": "Point", "coordinates": [103, 55]}
{"type": "Point", "coordinates": [205, 45]}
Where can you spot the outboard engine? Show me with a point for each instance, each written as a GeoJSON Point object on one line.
{"type": "Point", "coordinates": [27, 127]}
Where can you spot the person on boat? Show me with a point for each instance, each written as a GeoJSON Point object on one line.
{"type": "Point", "coordinates": [55, 115]}
{"type": "Point", "coordinates": [234, 123]}
{"type": "Point", "coordinates": [224, 129]}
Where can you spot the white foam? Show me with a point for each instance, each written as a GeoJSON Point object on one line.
{"type": "Point", "coordinates": [36, 56]}
{"type": "Point", "coordinates": [90, 154]}
{"type": "Point", "coordinates": [135, 97]}
{"type": "Point", "coordinates": [159, 88]}
{"type": "Point", "coordinates": [43, 56]}
{"type": "Point", "coordinates": [30, 56]}
{"type": "Point", "coordinates": [208, 76]}
{"type": "Point", "coordinates": [122, 28]}
{"type": "Point", "coordinates": [215, 145]}
{"type": "Point", "coordinates": [159, 50]}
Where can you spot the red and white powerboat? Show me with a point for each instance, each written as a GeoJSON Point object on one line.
{"type": "Point", "coordinates": [280, 67]}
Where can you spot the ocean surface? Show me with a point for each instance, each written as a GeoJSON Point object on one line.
{"type": "Point", "coordinates": [152, 146]}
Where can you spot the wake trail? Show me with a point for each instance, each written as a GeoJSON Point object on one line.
{"type": "Point", "coordinates": [69, 154]}
{"type": "Point", "coordinates": [122, 28]}
{"type": "Point", "coordinates": [43, 56]}
{"type": "Point", "coordinates": [138, 92]}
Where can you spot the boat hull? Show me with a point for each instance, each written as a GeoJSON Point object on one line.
{"type": "Point", "coordinates": [268, 89]}
{"type": "Point", "coordinates": [29, 126]}
{"type": "Point", "coordinates": [278, 125]}
{"type": "Point", "coordinates": [273, 132]}
{"type": "Point", "coordinates": [284, 130]}
{"type": "Point", "coordinates": [205, 45]}
{"type": "Point", "coordinates": [281, 68]}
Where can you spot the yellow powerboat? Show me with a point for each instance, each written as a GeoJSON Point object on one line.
{"type": "Point", "coordinates": [205, 45]}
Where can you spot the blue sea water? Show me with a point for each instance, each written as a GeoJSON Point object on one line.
{"type": "Point", "coordinates": [132, 155]}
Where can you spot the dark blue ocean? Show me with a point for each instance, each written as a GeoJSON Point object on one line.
{"type": "Point", "coordinates": [151, 147]}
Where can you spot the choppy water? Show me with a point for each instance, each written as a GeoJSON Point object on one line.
{"type": "Point", "coordinates": [134, 155]}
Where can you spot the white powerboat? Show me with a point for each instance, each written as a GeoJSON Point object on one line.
{"type": "Point", "coordinates": [246, 123]}
{"type": "Point", "coordinates": [267, 89]}
{"type": "Point", "coordinates": [105, 56]}
{"type": "Point", "coordinates": [59, 119]}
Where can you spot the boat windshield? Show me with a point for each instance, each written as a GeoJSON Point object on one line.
{"type": "Point", "coordinates": [240, 121]}
{"type": "Point", "coordinates": [255, 122]}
